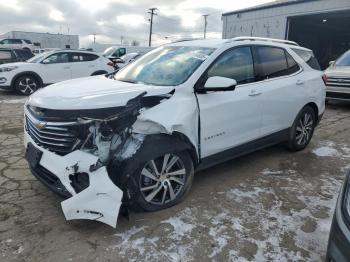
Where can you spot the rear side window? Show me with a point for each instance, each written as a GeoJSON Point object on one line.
{"type": "Point", "coordinates": [89, 57]}
{"type": "Point", "coordinates": [308, 57]}
{"type": "Point", "coordinates": [235, 64]}
{"type": "Point", "coordinates": [27, 41]}
{"type": "Point", "coordinates": [272, 62]}
{"type": "Point", "coordinates": [5, 55]}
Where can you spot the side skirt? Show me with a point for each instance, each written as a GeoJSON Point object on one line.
{"type": "Point", "coordinates": [260, 143]}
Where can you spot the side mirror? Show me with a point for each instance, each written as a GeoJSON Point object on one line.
{"type": "Point", "coordinates": [45, 61]}
{"type": "Point", "coordinates": [118, 60]}
{"type": "Point", "coordinates": [219, 83]}
{"type": "Point", "coordinates": [331, 63]}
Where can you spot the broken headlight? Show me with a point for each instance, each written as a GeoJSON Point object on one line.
{"type": "Point", "coordinates": [346, 200]}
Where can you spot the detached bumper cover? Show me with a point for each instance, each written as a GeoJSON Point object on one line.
{"type": "Point", "coordinates": [100, 201]}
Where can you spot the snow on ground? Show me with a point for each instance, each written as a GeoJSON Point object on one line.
{"type": "Point", "coordinates": [279, 216]}
{"type": "Point", "coordinates": [14, 101]}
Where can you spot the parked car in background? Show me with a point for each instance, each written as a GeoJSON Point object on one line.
{"type": "Point", "coordinates": [14, 55]}
{"type": "Point", "coordinates": [126, 59]}
{"type": "Point", "coordinates": [43, 50]}
{"type": "Point", "coordinates": [52, 67]}
{"type": "Point", "coordinates": [117, 51]}
{"type": "Point", "coordinates": [185, 106]}
{"type": "Point", "coordinates": [17, 43]}
{"type": "Point", "coordinates": [339, 238]}
{"type": "Point", "coordinates": [338, 78]}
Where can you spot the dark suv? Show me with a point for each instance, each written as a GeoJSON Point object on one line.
{"type": "Point", "coordinates": [8, 55]}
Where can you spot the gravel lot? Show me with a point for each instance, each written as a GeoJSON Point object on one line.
{"type": "Point", "coordinates": [269, 205]}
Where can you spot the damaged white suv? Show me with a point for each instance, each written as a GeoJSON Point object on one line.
{"type": "Point", "coordinates": [136, 137]}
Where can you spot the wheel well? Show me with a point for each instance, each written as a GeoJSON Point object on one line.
{"type": "Point", "coordinates": [157, 145]}
{"type": "Point", "coordinates": [315, 108]}
{"type": "Point", "coordinates": [100, 72]}
{"type": "Point", "coordinates": [37, 77]}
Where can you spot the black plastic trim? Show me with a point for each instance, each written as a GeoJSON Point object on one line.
{"type": "Point", "coordinates": [244, 149]}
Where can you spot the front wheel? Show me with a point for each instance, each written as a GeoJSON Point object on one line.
{"type": "Point", "coordinates": [302, 129]}
{"type": "Point", "coordinates": [163, 181]}
{"type": "Point", "coordinates": [26, 85]}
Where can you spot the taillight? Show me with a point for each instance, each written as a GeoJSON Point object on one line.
{"type": "Point", "coordinates": [324, 78]}
{"type": "Point", "coordinates": [110, 64]}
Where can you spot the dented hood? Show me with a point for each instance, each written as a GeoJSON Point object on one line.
{"type": "Point", "coordinates": [91, 93]}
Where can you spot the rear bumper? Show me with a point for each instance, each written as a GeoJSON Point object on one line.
{"type": "Point", "coordinates": [100, 200]}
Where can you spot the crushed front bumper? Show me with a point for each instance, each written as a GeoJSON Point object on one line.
{"type": "Point", "coordinates": [100, 200]}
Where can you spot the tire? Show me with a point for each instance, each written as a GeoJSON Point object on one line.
{"type": "Point", "coordinates": [302, 129]}
{"type": "Point", "coordinates": [156, 190]}
{"type": "Point", "coordinates": [26, 85]}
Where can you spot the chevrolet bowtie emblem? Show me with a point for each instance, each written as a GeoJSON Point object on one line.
{"type": "Point", "coordinates": [40, 125]}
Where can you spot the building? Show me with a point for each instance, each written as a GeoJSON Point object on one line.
{"type": "Point", "coordinates": [46, 40]}
{"type": "Point", "coordinates": [321, 25]}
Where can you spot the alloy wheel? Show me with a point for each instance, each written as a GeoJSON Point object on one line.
{"type": "Point", "coordinates": [27, 85]}
{"type": "Point", "coordinates": [304, 129]}
{"type": "Point", "coordinates": [162, 179]}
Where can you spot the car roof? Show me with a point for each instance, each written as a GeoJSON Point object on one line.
{"type": "Point", "coordinates": [72, 51]}
{"type": "Point", "coordinates": [218, 43]}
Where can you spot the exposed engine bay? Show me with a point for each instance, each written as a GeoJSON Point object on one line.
{"type": "Point", "coordinates": [78, 152]}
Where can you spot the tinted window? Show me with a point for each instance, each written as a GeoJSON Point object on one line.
{"type": "Point", "coordinates": [5, 55]}
{"type": "Point", "coordinates": [5, 41]}
{"type": "Point", "coordinates": [344, 60]}
{"type": "Point", "coordinates": [308, 57]}
{"type": "Point", "coordinates": [235, 64]}
{"type": "Point", "coordinates": [272, 62]}
{"type": "Point", "coordinates": [27, 41]}
{"type": "Point", "coordinates": [293, 66]}
{"type": "Point", "coordinates": [89, 57]}
{"type": "Point", "coordinates": [57, 58]}
{"type": "Point", "coordinates": [15, 41]}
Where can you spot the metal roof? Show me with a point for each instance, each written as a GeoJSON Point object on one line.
{"type": "Point", "coordinates": [276, 3]}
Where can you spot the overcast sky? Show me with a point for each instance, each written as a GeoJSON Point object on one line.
{"type": "Point", "coordinates": [113, 19]}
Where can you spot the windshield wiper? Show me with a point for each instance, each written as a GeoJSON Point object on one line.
{"type": "Point", "coordinates": [129, 81]}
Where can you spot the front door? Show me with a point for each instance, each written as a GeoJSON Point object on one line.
{"type": "Point", "coordinates": [56, 68]}
{"type": "Point", "coordinates": [230, 118]}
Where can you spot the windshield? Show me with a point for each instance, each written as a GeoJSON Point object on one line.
{"type": "Point", "coordinates": [344, 60]}
{"type": "Point", "coordinates": [166, 66]}
{"type": "Point", "coordinates": [36, 59]}
{"type": "Point", "coordinates": [109, 51]}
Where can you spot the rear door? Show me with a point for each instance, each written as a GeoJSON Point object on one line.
{"type": "Point", "coordinates": [83, 64]}
{"type": "Point", "coordinates": [56, 68]}
{"type": "Point", "coordinates": [279, 88]}
{"type": "Point", "coordinates": [230, 118]}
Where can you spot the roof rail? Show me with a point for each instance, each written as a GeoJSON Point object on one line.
{"type": "Point", "coordinates": [186, 39]}
{"type": "Point", "coordinates": [243, 38]}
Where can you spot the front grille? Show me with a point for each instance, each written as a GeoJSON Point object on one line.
{"type": "Point", "coordinates": [337, 95]}
{"type": "Point", "coordinates": [338, 81]}
{"type": "Point", "coordinates": [57, 139]}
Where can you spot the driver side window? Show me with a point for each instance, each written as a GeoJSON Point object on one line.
{"type": "Point", "coordinates": [236, 64]}
{"type": "Point", "coordinates": [57, 58]}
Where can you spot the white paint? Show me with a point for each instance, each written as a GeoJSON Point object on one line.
{"type": "Point", "coordinates": [101, 196]}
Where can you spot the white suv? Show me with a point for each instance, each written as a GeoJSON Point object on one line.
{"type": "Point", "coordinates": [17, 43]}
{"type": "Point", "coordinates": [52, 67]}
{"type": "Point", "coordinates": [137, 137]}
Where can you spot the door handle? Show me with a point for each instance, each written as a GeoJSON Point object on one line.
{"type": "Point", "coordinates": [300, 82]}
{"type": "Point", "coordinates": [66, 67]}
{"type": "Point", "coordinates": [255, 93]}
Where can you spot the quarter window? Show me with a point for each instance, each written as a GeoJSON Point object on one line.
{"type": "Point", "coordinates": [235, 64]}
{"type": "Point", "coordinates": [293, 66]}
{"type": "Point", "coordinates": [272, 62]}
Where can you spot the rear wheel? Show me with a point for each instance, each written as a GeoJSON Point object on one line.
{"type": "Point", "coordinates": [26, 85]}
{"type": "Point", "coordinates": [302, 129]}
{"type": "Point", "coordinates": [163, 181]}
